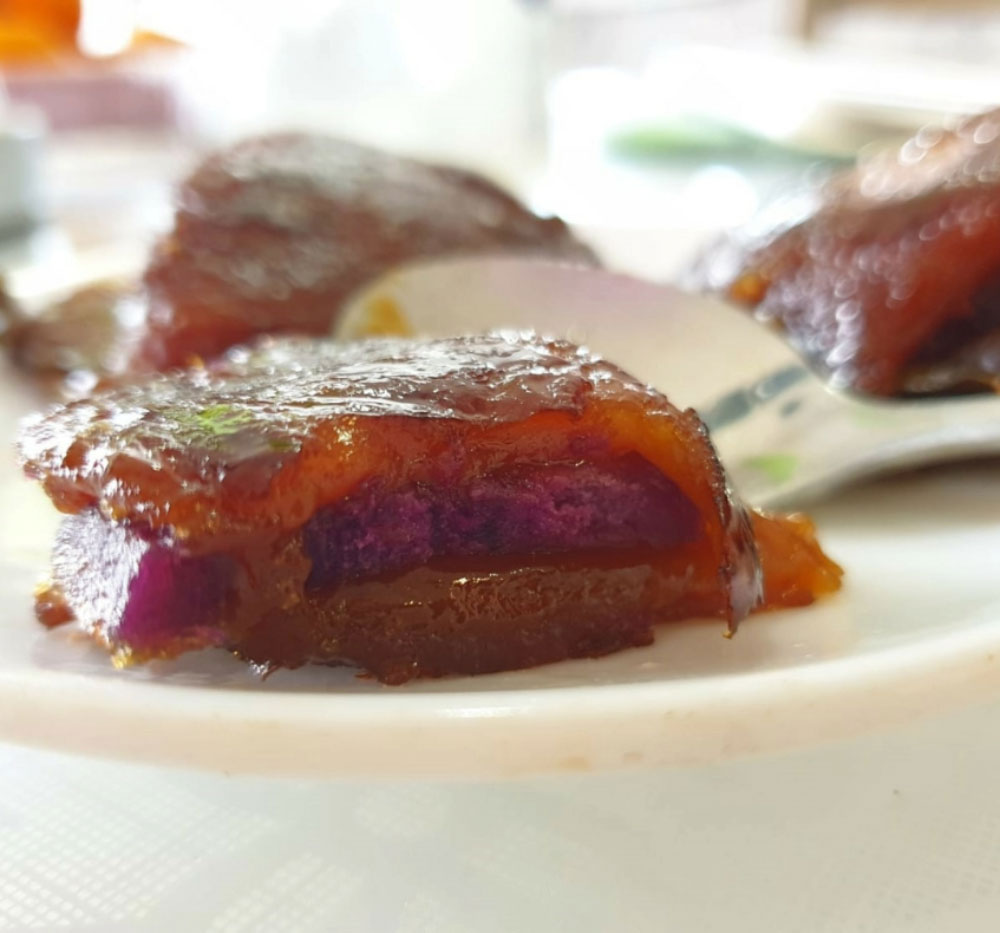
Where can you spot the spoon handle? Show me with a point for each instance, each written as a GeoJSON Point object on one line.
{"type": "Point", "coordinates": [787, 438]}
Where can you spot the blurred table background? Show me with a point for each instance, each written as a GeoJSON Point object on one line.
{"type": "Point", "coordinates": [652, 124]}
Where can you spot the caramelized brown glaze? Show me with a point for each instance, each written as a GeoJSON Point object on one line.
{"type": "Point", "coordinates": [894, 277]}
{"type": "Point", "coordinates": [230, 464]}
{"type": "Point", "coordinates": [271, 236]}
{"type": "Point", "coordinates": [269, 436]}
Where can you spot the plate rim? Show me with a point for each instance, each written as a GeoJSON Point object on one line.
{"type": "Point", "coordinates": [505, 733]}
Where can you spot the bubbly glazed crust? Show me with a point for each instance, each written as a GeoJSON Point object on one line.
{"type": "Point", "coordinates": [413, 507]}
{"type": "Point", "coordinates": [272, 234]}
{"type": "Point", "coordinates": [268, 435]}
{"type": "Point", "coordinates": [893, 280]}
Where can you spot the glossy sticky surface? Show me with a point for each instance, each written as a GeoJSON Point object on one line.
{"type": "Point", "coordinates": [894, 277]}
{"type": "Point", "coordinates": [274, 233]}
{"type": "Point", "coordinates": [564, 508]}
{"type": "Point", "coordinates": [270, 435]}
{"type": "Point", "coordinates": [271, 235]}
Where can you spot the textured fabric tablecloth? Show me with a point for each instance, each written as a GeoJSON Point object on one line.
{"type": "Point", "coordinates": [898, 832]}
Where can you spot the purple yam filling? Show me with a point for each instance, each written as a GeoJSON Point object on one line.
{"type": "Point", "coordinates": [140, 592]}
{"type": "Point", "coordinates": [539, 510]}
{"type": "Point", "coordinates": [136, 590]}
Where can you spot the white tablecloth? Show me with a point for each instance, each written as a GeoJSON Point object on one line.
{"type": "Point", "coordinates": [897, 832]}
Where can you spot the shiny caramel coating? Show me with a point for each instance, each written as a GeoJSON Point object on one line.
{"type": "Point", "coordinates": [894, 274]}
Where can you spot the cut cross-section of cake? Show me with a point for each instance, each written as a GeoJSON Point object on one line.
{"type": "Point", "coordinates": [411, 507]}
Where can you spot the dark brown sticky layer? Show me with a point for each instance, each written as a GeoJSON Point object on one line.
{"type": "Point", "coordinates": [145, 599]}
{"type": "Point", "coordinates": [447, 620]}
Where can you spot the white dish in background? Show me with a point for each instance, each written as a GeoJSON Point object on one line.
{"type": "Point", "coordinates": [916, 630]}
{"type": "Point", "coordinates": [22, 136]}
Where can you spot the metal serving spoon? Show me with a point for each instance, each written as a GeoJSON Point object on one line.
{"type": "Point", "coordinates": [784, 435]}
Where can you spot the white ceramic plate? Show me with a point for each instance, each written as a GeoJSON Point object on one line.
{"type": "Point", "coordinates": [915, 630]}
